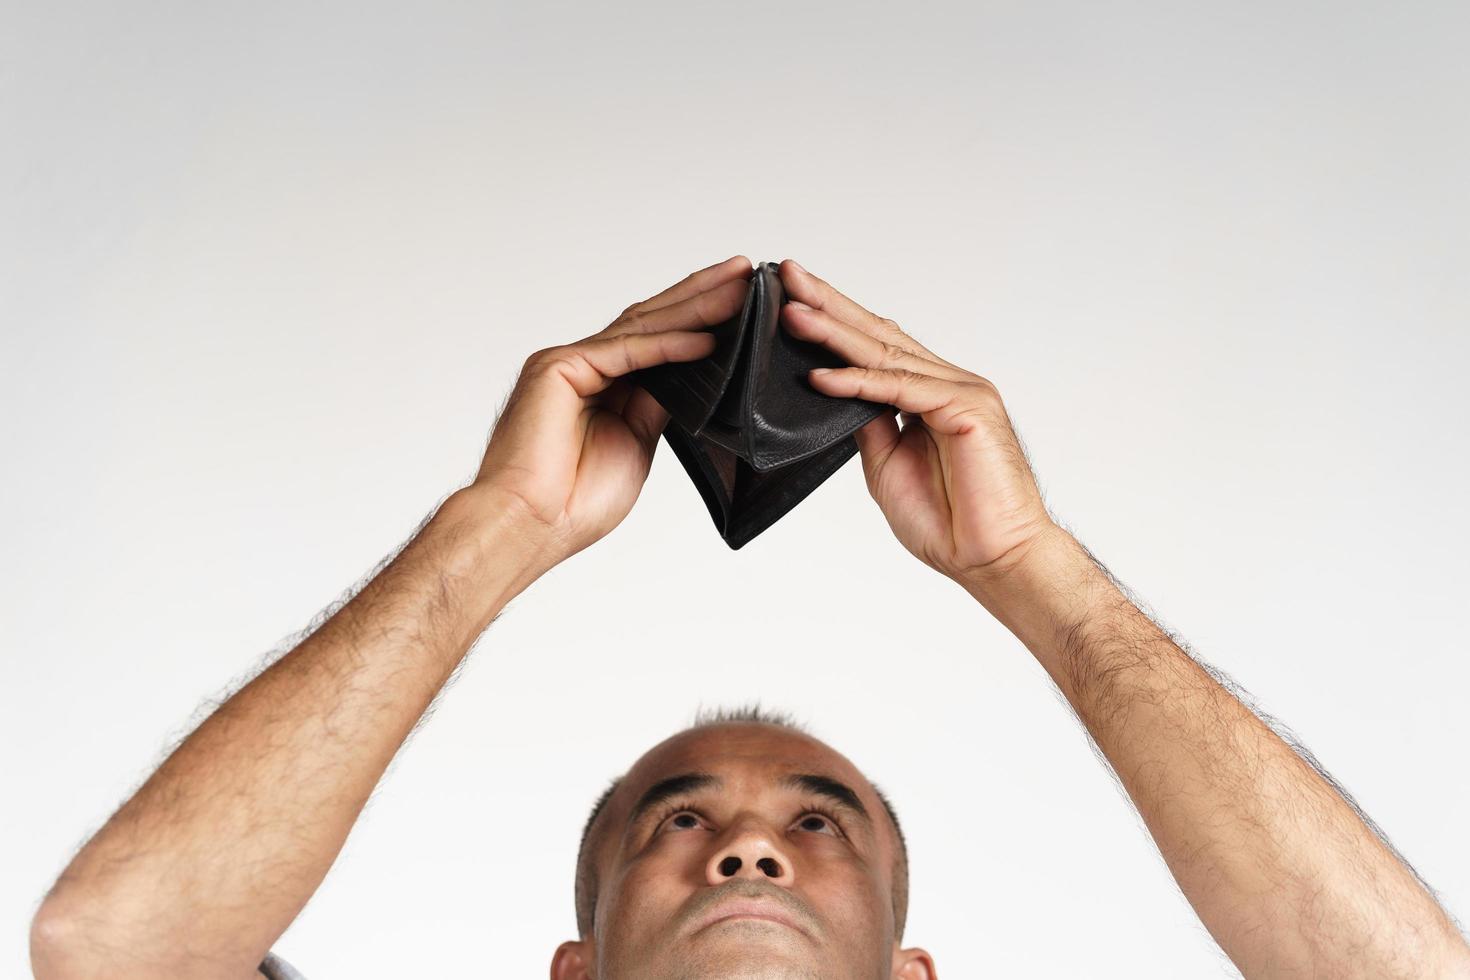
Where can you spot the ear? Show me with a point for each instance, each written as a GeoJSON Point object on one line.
{"type": "Point", "coordinates": [573, 960]}
{"type": "Point", "coordinates": [913, 964]}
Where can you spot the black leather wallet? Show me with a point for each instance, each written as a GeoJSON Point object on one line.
{"type": "Point", "coordinates": [753, 434]}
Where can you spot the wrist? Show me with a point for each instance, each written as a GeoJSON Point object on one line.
{"type": "Point", "coordinates": [1046, 591]}
{"type": "Point", "coordinates": [492, 541]}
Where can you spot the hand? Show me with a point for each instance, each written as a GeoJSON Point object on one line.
{"type": "Point", "coordinates": [954, 482]}
{"type": "Point", "coordinates": [574, 443]}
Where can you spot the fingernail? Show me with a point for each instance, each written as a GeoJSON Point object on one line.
{"type": "Point", "coordinates": [821, 370]}
{"type": "Point", "coordinates": [798, 304]}
{"type": "Point", "coordinates": [799, 267]}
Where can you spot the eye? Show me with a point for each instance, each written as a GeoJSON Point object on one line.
{"type": "Point", "coordinates": [680, 820]}
{"type": "Point", "coordinates": [818, 822]}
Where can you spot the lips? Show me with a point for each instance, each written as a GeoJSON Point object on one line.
{"type": "Point", "coordinates": [745, 908]}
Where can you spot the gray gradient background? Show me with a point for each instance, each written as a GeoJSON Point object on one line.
{"type": "Point", "coordinates": [267, 272]}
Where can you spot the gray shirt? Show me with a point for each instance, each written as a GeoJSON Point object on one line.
{"type": "Point", "coordinates": [275, 968]}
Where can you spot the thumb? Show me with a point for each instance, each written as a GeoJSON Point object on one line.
{"type": "Point", "coordinates": [876, 440]}
{"type": "Point", "coordinates": [646, 418]}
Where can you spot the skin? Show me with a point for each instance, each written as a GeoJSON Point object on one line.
{"type": "Point", "coordinates": [201, 871]}
{"type": "Point", "coordinates": [834, 870]}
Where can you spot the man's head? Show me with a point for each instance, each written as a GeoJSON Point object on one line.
{"type": "Point", "coordinates": [741, 847]}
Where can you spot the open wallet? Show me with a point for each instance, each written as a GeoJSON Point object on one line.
{"type": "Point", "coordinates": [753, 434]}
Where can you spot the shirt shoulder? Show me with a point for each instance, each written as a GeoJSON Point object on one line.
{"type": "Point", "coordinates": [275, 968]}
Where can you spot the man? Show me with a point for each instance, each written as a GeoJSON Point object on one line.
{"type": "Point", "coordinates": [740, 847]}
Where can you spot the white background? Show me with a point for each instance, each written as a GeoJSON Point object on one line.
{"type": "Point", "coordinates": [266, 273]}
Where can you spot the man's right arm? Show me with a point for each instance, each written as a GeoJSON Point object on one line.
{"type": "Point", "coordinates": [207, 864]}
{"type": "Point", "coordinates": [210, 861]}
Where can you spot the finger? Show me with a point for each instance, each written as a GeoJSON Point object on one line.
{"type": "Point", "coordinates": [819, 294]}
{"type": "Point", "coordinates": [706, 309]}
{"type": "Point", "coordinates": [946, 406]}
{"type": "Point", "coordinates": [735, 267]}
{"type": "Point", "coordinates": [591, 365]}
{"type": "Point", "coordinates": [646, 418]}
{"type": "Point", "coordinates": [615, 398]}
{"type": "Point", "coordinates": [856, 346]}
{"type": "Point", "coordinates": [876, 440]}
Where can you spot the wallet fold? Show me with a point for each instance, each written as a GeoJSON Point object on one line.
{"type": "Point", "coordinates": [752, 433]}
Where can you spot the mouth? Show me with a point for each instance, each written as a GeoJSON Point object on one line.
{"type": "Point", "coordinates": [750, 917]}
{"type": "Point", "coordinates": [763, 913]}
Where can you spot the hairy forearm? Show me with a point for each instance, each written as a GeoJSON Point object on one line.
{"type": "Point", "coordinates": [1279, 867]}
{"type": "Point", "coordinates": [209, 862]}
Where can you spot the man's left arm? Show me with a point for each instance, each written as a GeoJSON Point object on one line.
{"type": "Point", "coordinates": [1279, 866]}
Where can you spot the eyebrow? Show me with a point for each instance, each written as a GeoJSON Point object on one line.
{"type": "Point", "coordinates": [833, 790]}
{"type": "Point", "coordinates": [667, 789]}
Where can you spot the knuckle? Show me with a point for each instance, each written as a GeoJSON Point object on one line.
{"type": "Point", "coordinates": [634, 319]}
{"type": "Point", "coordinates": [630, 362]}
{"type": "Point", "coordinates": [891, 351]}
{"type": "Point", "coordinates": [986, 389]}
{"type": "Point", "coordinates": [703, 310]}
{"type": "Point", "coordinates": [549, 357]}
{"type": "Point", "coordinates": [891, 327]}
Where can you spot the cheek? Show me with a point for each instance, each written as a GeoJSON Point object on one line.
{"type": "Point", "coordinates": [649, 891]}
{"type": "Point", "coordinates": [849, 895]}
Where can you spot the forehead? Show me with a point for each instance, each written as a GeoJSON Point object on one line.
{"type": "Point", "coordinates": [743, 747]}
{"type": "Point", "coordinates": [749, 758]}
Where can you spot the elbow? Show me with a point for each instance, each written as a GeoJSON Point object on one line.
{"type": "Point", "coordinates": [59, 950]}
{"type": "Point", "coordinates": [78, 934]}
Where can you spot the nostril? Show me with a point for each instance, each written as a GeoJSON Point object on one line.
{"type": "Point", "coordinates": [769, 866]}
{"type": "Point", "coordinates": [729, 866]}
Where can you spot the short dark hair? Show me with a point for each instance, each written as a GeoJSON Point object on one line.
{"type": "Point", "coordinates": [585, 890]}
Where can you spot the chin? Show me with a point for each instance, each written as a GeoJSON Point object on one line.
{"type": "Point", "coordinates": [751, 969]}
{"type": "Point", "coordinates": [751, 950]}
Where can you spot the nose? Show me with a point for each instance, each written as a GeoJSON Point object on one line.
{"type": "Point", "coordinates": [750, 851]}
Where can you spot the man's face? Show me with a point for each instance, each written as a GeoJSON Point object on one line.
{"type": "Point", "coordinates": [741, 851]}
